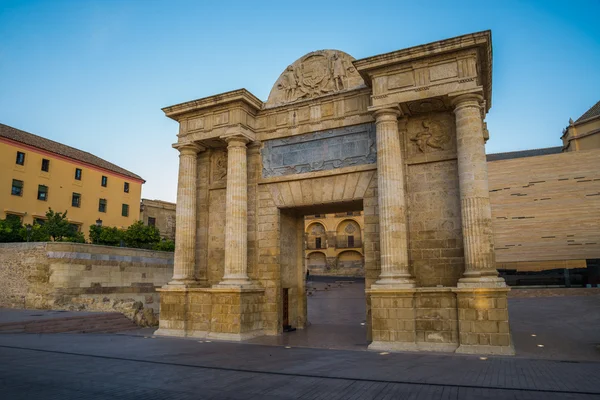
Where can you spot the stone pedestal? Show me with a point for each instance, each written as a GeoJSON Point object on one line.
{"type": "Point", "coordinates": [461, 320]}
{"type": "Point", "coordinates": [483, 321]}
{"type": "Point", "coordinates": [212, 313]}
{"type": "Point", "coordinates": [393, 319]}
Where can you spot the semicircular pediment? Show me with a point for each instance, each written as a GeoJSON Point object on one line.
{"type": "Point", "coordinates": [316, 74]}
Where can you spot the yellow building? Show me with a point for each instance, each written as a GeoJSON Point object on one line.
{"type": "Point", "coordinates": [37, 174]}
{"type": "Point", "coordinates": [333, 244]}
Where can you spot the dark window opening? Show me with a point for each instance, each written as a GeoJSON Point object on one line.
{"type": "Point", "coordinates": [13, 217]}
{"type": "Point", "coordinates": [125, 210]}
{"type": "Point", "coordinates": [350, 241]}
{"type": "Point", "coordinates": [318, 243]}
{"type": "Point", "coordinates": [20, 158]}
{"type": "Point", "coordinates": [45, 165]}
{"type": "Point", "coordinates": [151, 221]}
{"type": "Point", "coordinates": [102, 205]}
{"type": "Point", "coordinates": [78, 174]}
{"type": "Point", "coordinates": [42, 192]}
{"type": "Point", "coordinates": [126, 187]}
{"type": "Point", "coordinates": [76, 200]}
{"type": "Point", "coordinates": [39, 221]}
{"type": "Point", "coordinates": [104, 181]}
{"type": "Point", "coordinates": [17, 188]}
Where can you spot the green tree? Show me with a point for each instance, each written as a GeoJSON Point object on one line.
{"type": "Point", "coordinates": [106, 235]}
{"type": "Point", "coordinates": [57, 226]}
{"type": "Point", "coordinates": [165, 245]}
{"type": "Point", "coordinates": [37, 233]}
{"type": "Point", "coordinates": [10, 229]}
{"type": "Point", "coordinates": [141, 236]}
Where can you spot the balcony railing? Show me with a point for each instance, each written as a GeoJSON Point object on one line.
{"type": "Point", "coordinates": [348, 242]}
{"type": "Point", "coordinates": [313, 246]}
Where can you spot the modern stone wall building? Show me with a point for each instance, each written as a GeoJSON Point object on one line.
{"type": "Point", "coordinates": [37, 173]}
{"type": "Point", "coordinates": [333, 244]}
{"type": "Point", "coordinates": [392, 134]}
{"type": "Point", "coordinates": [160, 214]}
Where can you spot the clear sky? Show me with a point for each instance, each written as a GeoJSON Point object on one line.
{"type": "Point", "coordinates": [95, 74]}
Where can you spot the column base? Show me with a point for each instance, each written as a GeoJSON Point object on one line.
{"type": "Point", "coordinates": [481, 282]}
{"type": "Point", "coordinates": [188, 283]}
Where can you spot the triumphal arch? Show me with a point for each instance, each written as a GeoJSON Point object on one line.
{"type": "Point", "coordinates": [400, 136]}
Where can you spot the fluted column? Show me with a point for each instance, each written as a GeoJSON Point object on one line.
{"type": "Point", "coordinates": [480, 265]}
{"type": "Point", "coordinates": [184, 268]}
{"type": "Point", "coordinates": [393, 234]}
{"type": "Point", "coordinates": [236, 218]}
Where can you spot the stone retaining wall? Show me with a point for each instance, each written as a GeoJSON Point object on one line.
{"type": "Point", "coordinates": [67, 275]}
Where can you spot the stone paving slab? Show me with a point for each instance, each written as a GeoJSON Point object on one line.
{"type": "Point", "coordinates": [233, 370]}
{"type": "Point", "coordinates": [9, 315]}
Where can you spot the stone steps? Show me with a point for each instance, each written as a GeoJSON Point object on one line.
{"type": "Point", "coordinates": [99, 323]}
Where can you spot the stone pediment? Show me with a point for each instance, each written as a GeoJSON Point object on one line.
{"type": "Point", "coordinates": [316, 74]}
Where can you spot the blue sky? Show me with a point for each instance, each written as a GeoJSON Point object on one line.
{"type": "Point", "coordinates": [95, 74]}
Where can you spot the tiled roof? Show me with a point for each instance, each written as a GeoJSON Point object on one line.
{"type": "Point", "coordinates": [523, 153]}
{"type": "Point", "coordinates": [594, 111]}
{"type": "Point", "coordinates": [61, 149]}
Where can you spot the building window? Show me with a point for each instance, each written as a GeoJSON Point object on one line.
{"type": "Point", "coordinates": [17, 188]}
{"type": "Point", "coordinates": [104, 181]}
{"type": "Point", "coordinates": [45, 165]}
{"type": "Point", "coordinates": [151, 221]}
{"type": "Point", "coordinates": [126, 187]}
{"type": "Point", "coordinates": [125, 210]}
{"type": "Point", "coordinates": [20, 158]}
{"type": "Point", "coordinates": [74, 228]}
{"type": "Point", "coordinates": [39, 221]}
{"type": "Point", "coordinates": [102, 205]}
{"type": "Point", "coordinates": [13, 217]}
{"type": "Point", "coordinates": [350, 241]}
{"type": "Point", "coordinates": [76, 200]}
{"type": "Point", "coordinates": [42, 192]}
{"type": "Point", "coordinates": [78, 174]}
{"type": "Point", "coordinates": [318, 243]}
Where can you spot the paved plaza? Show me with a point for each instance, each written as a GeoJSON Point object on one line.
{"type": "Point", "coordinates": [320, 362]}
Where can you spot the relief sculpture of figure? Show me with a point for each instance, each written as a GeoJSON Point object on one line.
{"type": "Point", "coordinates": [339, 72]}
{"type": "Point", "coordinates": [433, 136]}
{"type": "Point", "coordinates": [289, 83]}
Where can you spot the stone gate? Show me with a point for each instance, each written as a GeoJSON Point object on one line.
{"type": "Point", "coordinates": [399, 135]}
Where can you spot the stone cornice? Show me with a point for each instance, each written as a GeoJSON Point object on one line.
{"type": "Point", "coordinates": [482, 41]}
{"type": "Point", "coordinates": [240, 95]}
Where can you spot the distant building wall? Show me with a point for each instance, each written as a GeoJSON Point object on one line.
{"type": "Point", "coordinates": [333, 244]}
{"type": "Point", "coordinates": [45, 179]}
{"type": "Point", "coordinates": [546, 210]}
{"type": "Point", "coordinates": [160, 214]}
{"type": "Point", "coordinates": [58, 275]}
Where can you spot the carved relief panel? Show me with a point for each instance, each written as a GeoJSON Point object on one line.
{"type": "Point", "coordinates": [316, 74]}
{"type": "Point", "coordinates": [430, 137]}
{"type": "Point", "coordinates": [218, 166]}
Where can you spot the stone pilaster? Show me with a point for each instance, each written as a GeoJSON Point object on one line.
{"type": "Point", "coordinates": [392, 204]}
{"type": "Point", "coordinates": [184, 268]}
{"type": "Point", "coordinates": [480, 266]}
{"type": "Point", "coordinates": [236, 218]}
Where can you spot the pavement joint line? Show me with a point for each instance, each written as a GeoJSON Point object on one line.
{"type": "Point", "coordinates": [300, 375]}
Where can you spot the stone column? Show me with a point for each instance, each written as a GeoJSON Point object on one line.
{"type": "Point", "coordinates": [392, 204]}
{"type": "Point", "coordinates": [236, 218]}
{"type": "Point", "coordinates": [480, 266]}
{"type": "Point", "coordinates": [184, 268]}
